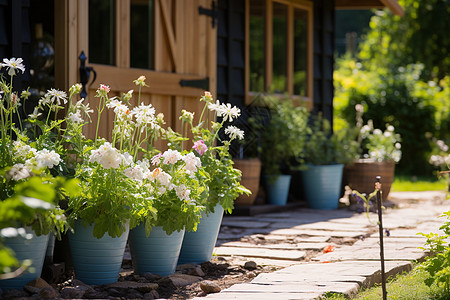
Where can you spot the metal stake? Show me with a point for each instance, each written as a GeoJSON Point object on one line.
{"type": "Point", "coordinates": [380, 229]}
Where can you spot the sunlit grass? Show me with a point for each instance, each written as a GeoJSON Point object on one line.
{"type": "Point", "coordinates": [414, 184]}
{"type": "Point", "coordinates": [407, 286]}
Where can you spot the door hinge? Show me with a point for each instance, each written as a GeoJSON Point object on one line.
{"type": "Point", "coordinates": [213, 13]}
{"type": "Point", "coordinates": [196, 83]}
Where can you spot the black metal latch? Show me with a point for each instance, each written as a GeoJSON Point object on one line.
{"type": "Point", "coordinates": [196, 83]}
{"type": "Point", "coordinates": [210, 12]}
{"type": "Point", "coordinates": [85, 73]}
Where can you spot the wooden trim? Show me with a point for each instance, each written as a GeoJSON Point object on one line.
{"type": "Point", "coordinates": [292, 4]}
{"type": "Point", "coordinates": [160, 83]}
{"type": "Point", "coordinates": [122, 42]}
{"type": "Point", "coordinates": [247, 53]}
{"type": "Point", "coordinates": [394, 6]}
{"type": "Point", "coordinates": [269, 46]}
{"type": "Point", "coordinates": [169, 31]}
{"type": "Point", "coordinates": [290, 50]}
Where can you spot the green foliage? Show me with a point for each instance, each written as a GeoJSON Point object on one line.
{"type": "Point", "coordinates": [393, 97]}
{"type": "Point", "coordinates": [283, 136]}
{"type": "Point", "coordinates": [421, 35]}
{"type": "Point", "coordinates": [438, 264]}
{"type": "Point", "coordinates": [322, 147]}
{"type": "Point", "coordinates": [222, 180]}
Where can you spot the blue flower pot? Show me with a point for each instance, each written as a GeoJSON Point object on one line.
{"type": "Point", "coordinates": [322, 185]}
{"type": "Point", "coordinates": [33, 249]}
{"type": "Point", "coordinates": [198, 246]}
{"type": "Point", "coordinates": [96, 261]}
{"type": "Point", "coordinates": [278, 190]}
{"type": "Point", "coordinates": [158, 253]}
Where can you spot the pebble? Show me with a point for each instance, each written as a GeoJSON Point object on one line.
{"type": "Point", "coordinates": [152, 277]}
{"type": "Point", "coordinates": [49, 293]}
{"type": "Point", "coordinates": [73, 292]}
{"type": "Point", "coordinates": [250, 265]}
{"type": "Point", "coordinates": [180, 280]}
{"type": "Point", "coordinates": [197, 271]}
{"type": "Point", "coordinates": [151, 295]}
{"type": "Point", "coordinates": [209, 287]}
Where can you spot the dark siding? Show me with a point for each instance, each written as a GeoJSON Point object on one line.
{"type": "Point", "coordinates": [15, 36]}
{"type": "Point", "coordinates": [323, 57]}
{"type": "Point", "coordinates": [231, 52]}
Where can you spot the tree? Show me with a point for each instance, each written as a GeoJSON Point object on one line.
{"type": "Point", "coordinates": [420, 36]}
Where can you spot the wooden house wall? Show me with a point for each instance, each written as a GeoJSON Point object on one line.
{"type": "Point", "coordinates": [15, 36]}
{"type": "Point", "coordinates": [231, 54]}
{"type": "Point", "coordinates": [323, 57]}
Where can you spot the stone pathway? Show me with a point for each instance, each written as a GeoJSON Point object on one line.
{"type": "Point", "coordinates": [295, 241]}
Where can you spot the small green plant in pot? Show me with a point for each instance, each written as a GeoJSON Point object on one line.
{"type": "Point", "coordinates": [325, 154]}
{"type": "Point", "coordinates": [281, 140]}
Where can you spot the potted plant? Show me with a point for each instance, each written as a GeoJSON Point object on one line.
{"type": "Point", "coordinates": [111, 182]}
{"type": "Point", "coordinates": [223, 180]}
{"type": "Point", "coordinates": [281, 137]}
{"type": "Point", "coordinates": [379, 152]}
{"type": "Point", "coordinates": [175, 188]}
{"type": "Point", "coordinates": [325, 154]}
{"type": "Point", "coordinates": [29, 194]}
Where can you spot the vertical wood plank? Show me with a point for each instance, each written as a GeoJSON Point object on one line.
{"type": "Point", "coordinates": [269, 45]}
{"type": "Point", "coordinates": [290, 50]}
{"type": "Point", "coordinates": [123, 33]}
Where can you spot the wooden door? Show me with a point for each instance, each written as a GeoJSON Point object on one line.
{"type": "Point", "coordinates": [184, 48]}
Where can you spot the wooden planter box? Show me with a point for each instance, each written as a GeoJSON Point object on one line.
{"type": "Point", "coordinates": [361, 176]}
{"type": "Point", "coordinates": [251, 171]}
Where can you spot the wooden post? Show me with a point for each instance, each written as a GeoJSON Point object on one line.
{"type": "Point", "coordinates": [380, 230]}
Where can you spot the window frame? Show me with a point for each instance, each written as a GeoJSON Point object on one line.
{"type": "Point", "coordinates": [291, 5]}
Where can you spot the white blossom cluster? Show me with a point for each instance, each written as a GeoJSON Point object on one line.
{"type": "Point", "coordinates": [28, 159]}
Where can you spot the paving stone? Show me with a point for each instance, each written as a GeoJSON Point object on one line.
{"type": "Point", "coordinates": [333, 226]}
{"type": "Point", "coordinates": [262, 296]}
{"type": "Point", "coordinates": [311, 232]}
{"type": "Point", "coordinates": [280, 246]}
{"type": "Point", "coordinates": [244, 223]}
{"type": "Point", "coordinates": [260, 252]}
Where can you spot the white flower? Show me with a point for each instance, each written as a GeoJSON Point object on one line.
{"type": "Point", "coordinates": [182, 192]}
{"type": "Point", "coordinates": [214, 106]}
{"type": "Point", "coordinates": [171, 156]}
{"type": "Point", "coordinates": [120, 109]}
{"type": "Point", "coordinates": [107, 156]}
{"type": "Point", "coordinates": [76, 117]}
{"type": "Point", "coordinates": [234, 132]}
{"type": "Point", "coordinates": [19, 171]}
{"type": "Point", "coordinates": [83, 107]}
{"type": "Point", "coordinates": [156, 160]}
{"type": "Point", "coordinates": [144, 114]}
{"type": "Point", "coordinates": [377, 132]}
{"type": "Point", "coordinates": [228, 112]}
{"type": "Point", "coordinates": [164, 178]}
{"type": "Point", "coordinates": [127, 159]}
{"type": "Point", "coordinates": [45, 158]}
{"type": "Point", "coordinates": [441, 144]}
{"type": "Point", "coordinates": [35, 114]}
{"type": "Point", "coordinates": [56, 96]}
{"type": "Point", "coordinates": [22, 150]}
{"type": "Point", "coordinates": [192, 162]}
{"type": "Point", "coordinates": [390, 128]}
{"type": "Point", "coordinates": [135, 173]}
{"type": "Point", "coordinates": [12, 65]}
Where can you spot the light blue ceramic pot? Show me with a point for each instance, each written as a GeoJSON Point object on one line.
{"type": "Point", "coordinates": [96, 261]}
{"type": "Point", "coordinates": [158, 253]}
{"type": "Point", "coordinates": [33, 249]}
{"type": "Point", "coordinates": [322, 185]}
{"type": "Point", "coordinates": [278, 189]}
{"type": "Point", "coordinates": [198, 246]}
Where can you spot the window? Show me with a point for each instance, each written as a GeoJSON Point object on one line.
{"type": "Point", "coordinates": [142, 34]}
{"type": "Point", "coordinates": [102, 31]}
{"type": "Point", "coordinates": [279, 47]}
